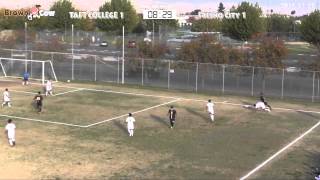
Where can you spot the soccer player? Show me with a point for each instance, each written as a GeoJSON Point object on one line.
{"type": "Point", "coordinates": [259, 106]}
{"type": "Point", "coordinates": [6, 98]}
{"type": "Point", "coordinates": [210, 109]}
{"type": "Point", "coordinates": [130, 123]}
{"type": "Point", "coordinates": [172, 113]}
{"type": "Point", "coordinates": [25, 80]}
{"type": "Point", "coordinates": [38, 98]}
{"type": "Point", "coordinates": [10, 130]}
{"type": "Point", "coordinates": [262, 99]}
{"type": "Point", "coordinates": [49, 88]}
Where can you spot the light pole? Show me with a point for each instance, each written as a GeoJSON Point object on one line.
{"type": "Point", "coordinates": [72, 75]}
{"type": "Point", "coordinates": [152, 32]}
{"type": "Point", "coordinates": [25, 47]}
{"type": "Point", "coordinates": [122, 80]}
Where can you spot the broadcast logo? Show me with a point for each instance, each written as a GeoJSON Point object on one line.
{"type": "Point", "coordinates": [36, 12]}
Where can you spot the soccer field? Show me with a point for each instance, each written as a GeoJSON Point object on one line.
{"type": "Point", "coordinates": [82, 134]}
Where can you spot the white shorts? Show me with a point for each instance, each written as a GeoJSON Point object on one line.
{"type": "Point", "coordinates": [11, 137]}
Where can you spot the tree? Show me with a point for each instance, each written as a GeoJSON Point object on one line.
{"type": "Point", "coordinates": [206, 49]}
{"type": "Point", "coordinates": [206, 25]}
{"type": "Point", "coordinates": [84, 24]}
{"type": "Point", "coordinates": [270, 53]}
{"type": "Point", "coordinates": [244, 28]}
{"type": "Point", "coordinates": [278, 23]}
{"type": "Point", "coordinates": [130, 19]}
{"type": "Point", "coordinates": [195, 12]}
{"type": "Point", "coordinates": [11, 22]}
{"type": "Point", "coordinates": [310, 28]}
{"type": "Point", "coordinates": [141, 26]}
{"type": "Point", "coordinates": [62, 18]}
{"type": "Point", "coordinates": [221, 8]}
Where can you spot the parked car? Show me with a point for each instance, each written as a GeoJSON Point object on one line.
{"type": "Point", "coordinates": [293, 69]}
{"type": "Point", "coordinates": [104, 44]}
{"type": "Point", "coordinates": [132, 44]}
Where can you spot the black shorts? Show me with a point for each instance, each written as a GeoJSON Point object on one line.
{"type": "Point", "coordinates": [39, 104]}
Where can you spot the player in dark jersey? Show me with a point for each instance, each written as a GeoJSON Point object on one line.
{"type": "Point", "coordinates": [172, 113]}
{"type": "Point", "coordinates": [262, 99]}
{"type": "Point", "coordinates": [39, 98]}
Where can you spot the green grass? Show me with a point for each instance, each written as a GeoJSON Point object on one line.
{"type": "Point", "coordinates": [230, 147]}
{"type": "Point", "coordinates": [301, 49]}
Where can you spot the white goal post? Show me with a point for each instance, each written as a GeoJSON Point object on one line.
{"type": "Point", "coordinates": [37, 69]}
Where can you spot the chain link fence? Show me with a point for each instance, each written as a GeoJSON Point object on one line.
{"type": "Point", "coordinates": [172, 74]}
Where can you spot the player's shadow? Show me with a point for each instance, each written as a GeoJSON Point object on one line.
{"type": "Point", "coordinates": [121, 126]}
{"type": "Point", "coordinates": [201, 115]}
{"type": "Point", "coordinates": [159, 119]}
{"type": "Point", "coordinates": [246, 103]}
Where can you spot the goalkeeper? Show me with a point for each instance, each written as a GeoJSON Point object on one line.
{"type": "Point", "coordinates": [25, 80]}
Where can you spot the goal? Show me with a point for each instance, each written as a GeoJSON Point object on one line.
{"type": "Point", "coordinates": [37, 69]}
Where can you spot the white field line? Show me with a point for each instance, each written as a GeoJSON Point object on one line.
{"type": "Point", "coordinates": [58, 94]}
{"type": "Point", "coordinates": [42, 121]}
{"type": "Point", "coordinates": [181, 98]}
{"type": "Point", "coordinates": [279, 152]}
{"type": "Point", "coordinates": [24, 92]}
{"type": "Point", "coordinates": [136, 112]}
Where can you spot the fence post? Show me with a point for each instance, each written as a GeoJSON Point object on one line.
{"type": "Point", "coordinates": [318, 85]}
{"type": "Point", "coordinates": [252, 80]}
{"type": "Point", "coordinates": [197, 75]}
{"type": "Point", "coordinates": [43, 73]}
{"type": "Point", "coordinates": [118, 75]}
{"type": "Point", "coordinates": [223, 71]}
{"type": "Point", "coordinates": [314, 76]}
{"type": "Point", "coordinates": [72, 68]}
{"type": "Point", "coordinates": [142, 71]}
{"type": "Point", "coordinates": [31, 63]}
{"type": "Point", "coordinates": [95, 68]}
{"type": "Point", "coordinates": [282, 84]}
{"type": "Point", "coordinates": [169, 68]}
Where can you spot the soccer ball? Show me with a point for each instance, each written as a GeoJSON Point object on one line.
{"type": "Point", "coordinates": [68, 81]}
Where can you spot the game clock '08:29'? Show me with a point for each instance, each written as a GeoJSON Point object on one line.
{"type": "Point", "coordinates": [159, 14]}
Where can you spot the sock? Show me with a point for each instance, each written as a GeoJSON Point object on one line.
{"type": "Point", "coordinates": [212, 117]}
{"type": "Point", "coordinates": [9, 104]}
{"type": "Point", "coordinates": [10, 142]}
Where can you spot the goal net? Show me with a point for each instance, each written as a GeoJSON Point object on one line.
{"type": "Point", "coordinates": [38, 70]}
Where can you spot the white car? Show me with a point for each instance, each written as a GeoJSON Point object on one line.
{"type": "Point", "coordinates": [104, 44]}
{"type": "Point", "coordinates": [293, 69]}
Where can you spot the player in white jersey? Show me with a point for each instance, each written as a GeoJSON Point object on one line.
{"type": "Point", "coordinates": [259, 106]}
{"type": "Point", "coordinates": [130, 124]}
{"type": "Point", "coordinates": [49, 88]}
{"type": "Point", "coordinates": [6, 98]}
{"type": "Point", "coordinates": [210, 109]}
{"type": "Point", "coordinates": [10, 130]}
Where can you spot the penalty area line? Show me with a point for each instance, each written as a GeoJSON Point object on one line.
{"type": "Point", "coordinates": [279, 152]}
{"type": "Point", "coordinates": [59, 94]}
{"type": "Point", "coordinates": [136, 112]}
{"type": "Point", "coordinates": [42, 121]}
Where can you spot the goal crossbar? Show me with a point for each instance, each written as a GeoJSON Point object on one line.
{"type": "Point", "coordinates": [41, 69]}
